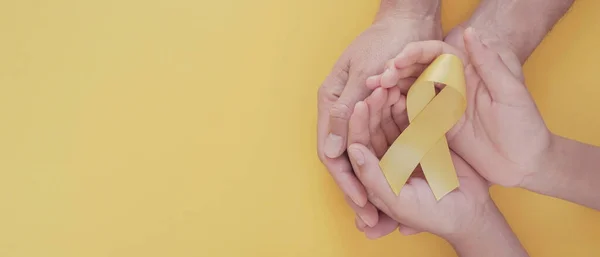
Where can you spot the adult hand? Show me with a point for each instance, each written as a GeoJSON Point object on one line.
{"type": "Point", "coordinates": [345, 85]}
{"type": "Point", "coordinates": [503, 49]}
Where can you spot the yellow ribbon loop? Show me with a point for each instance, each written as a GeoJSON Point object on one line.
{"type": "Point", "coordinates": [430, 116]}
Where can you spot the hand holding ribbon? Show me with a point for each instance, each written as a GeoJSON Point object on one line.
{"type": "Point", "coordinates": [430, 116]}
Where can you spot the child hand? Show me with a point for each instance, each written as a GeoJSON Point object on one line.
{"type": "Point", "coordinates": [372, 129]}
{"type": "Point", "coordinates": [502, 134]}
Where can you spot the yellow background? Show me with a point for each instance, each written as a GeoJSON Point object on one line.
{"type": "Point", "coordinates": [187, 128]}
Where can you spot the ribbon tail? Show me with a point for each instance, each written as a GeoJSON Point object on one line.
{"type": "Point", "coordinates": [397, 170]}
{"type": "Point", "coordinates": [439, 169]}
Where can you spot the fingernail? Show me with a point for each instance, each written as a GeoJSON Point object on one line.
{"type": "Point", "coordinates": [372, 234]}
{"type": "Point", "coordinates": [360, 223]}
{"type": "Point", "coordinates": [357, 156]}
{"type": "Point", "coordinates": [333, 146]}
{"type": "Point", "coordinates": [366, 220]}
{"type": "Point", "coordinates": [354, 197]}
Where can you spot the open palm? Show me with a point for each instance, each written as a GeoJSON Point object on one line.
{"type": "Point", "coordinates": [501, 117]}
{"type": "Point", "coordinates": [374, 125]}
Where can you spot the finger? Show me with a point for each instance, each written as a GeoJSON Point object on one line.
{"type": "Point", "coordinates": [393, 96]}
{"type": "Point", "coordinates": [390, 73]}
{"type": "Point", "coordinates": [388, 125]}
{"type": "Point", "coordinates": [399, 113]}
{"type": "Point", "coordinates": [358, 131]}
{"type": "Point", "coordinates": [328, 94]}
{"type": "Point", "coordinates": [376, 101]}
{"type": "Point", "coordinates": [360, 224]}
{"type": "Point", "coordinates": [385, 226]}
{"type": "Point", "coordinates": [390, 130]}
{"type": "Point", "coordinates": [368, 214]}
{"type": "Point", "coordinates": [405, 84]}
{"type": "Point", "coordinates": [342, 173]}
{"type": "Point", "coordinates": [424, 52]}
{"type": "Point", "coordinates": [405, 204]}
{"type": "Point", "coordinates": [340, 167]}
{"type": "Point", "coordinates": [339, 115]}
{"type": "Point", "coordinates": [374, 81]}
{"type": "Point", "coordinates": [392, 76]}
{"type": "Point", "coordinates": [501, 83]}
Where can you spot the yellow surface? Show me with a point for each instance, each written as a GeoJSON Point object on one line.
{"type": "Point", "coordinates": [187, 128]}
{"type": "Point", "coordinates": [430, 116]}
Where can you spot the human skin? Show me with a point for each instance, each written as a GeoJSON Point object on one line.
{"type": "Point", "coordinates": [397, 23]}
{"type": "Point", "coordinates": [500, 23]}
{"type": "Point", "coordinates": [512, 26]}
{"type": "Point", "coordinates": [502, 134]}
{"type": "Point", "coordinates": [466, 217]}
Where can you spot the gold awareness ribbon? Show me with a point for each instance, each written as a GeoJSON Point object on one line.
{"type": "Point", "coordinates": [430, 116]}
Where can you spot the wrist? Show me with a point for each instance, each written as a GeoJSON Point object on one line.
{"type": "Point", "coordinates": [547, 174]}
{"type": "Point", "coordinates": [495, 23]}
{"type": "Point", "coordinates": [487, 215]}
{"type": "Point", "coordinates": [503, 21]}
{"type": "Point", "coordinates": [422, 10]}
{"type": "Point", "coordinates": [491, 234]}
{"type": "Point", "coordinates": [568, 171]}
{"type": "Point", "coordinates": [456, 38]}
{"type": "Point", "coordinates": [419, 17]}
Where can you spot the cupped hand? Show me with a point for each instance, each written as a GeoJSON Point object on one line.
{"type": "Point", "coordinates": [502, 134]}
{"type": "Point", "coordinates": [345, 86]}
{"type": "Point", "coordinates": [416, 208]}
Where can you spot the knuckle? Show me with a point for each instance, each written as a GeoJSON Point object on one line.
{"type": "Point", "coordinates": [333, 85]}
{"type": "Point", "coordinates": [338, 76]}
{"type": "Point", "coordinates": [341, 111]}
{"type": "Point", "coordinates": [328, 94]}
{"type": "Point", "coordinates": [330, 90]}
{"type": "Point", "coordinates": [362, 72]}
{"type": "Point", "coordinates": [322, 90]}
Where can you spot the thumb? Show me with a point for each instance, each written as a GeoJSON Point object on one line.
{"type": "Point", "coordinates": [500, 81]}
{"type": "Point", "coordinates": [370, 174]}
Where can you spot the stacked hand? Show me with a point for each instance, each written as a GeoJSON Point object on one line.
{"type": "Point", "coordinates": [345, 86]}
{"type": "Point", "coordinates": [416, 207]}
{"type": "Point", "coordinates": [501, 135]}
{"type": "Point", "coordinates": [501, 138]}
